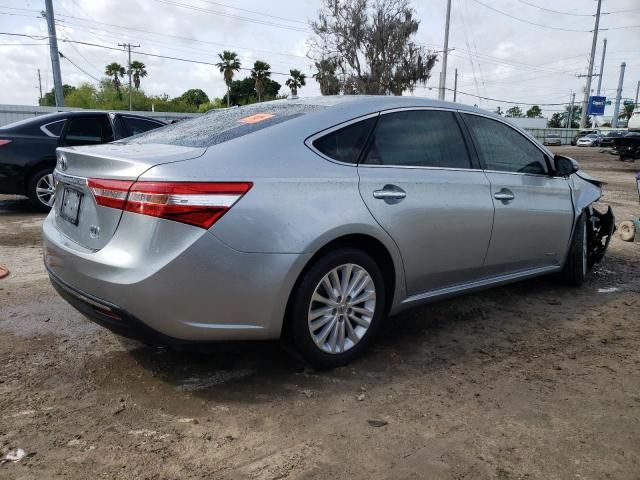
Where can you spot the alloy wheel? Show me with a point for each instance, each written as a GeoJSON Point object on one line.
{"type": "Point", "coordinates": [45, 190]}
{"type": "Point", "coordinates": [341, 309]}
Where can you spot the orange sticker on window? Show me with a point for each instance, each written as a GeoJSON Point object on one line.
{"type": "Point", "coordinates": [258, 117]}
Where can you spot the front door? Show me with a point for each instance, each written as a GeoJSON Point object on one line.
{"type": "Point", "coordinates": [418, 182]}
{"type": "Point", "coordinates": [533, 209]}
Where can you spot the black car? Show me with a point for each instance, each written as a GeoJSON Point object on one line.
{"type": "Point", "coordinates": [28, 147]}
{"type": "Point", "coordinates": [608, 138]}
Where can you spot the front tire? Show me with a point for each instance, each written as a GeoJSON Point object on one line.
{"type": "Point", "coordinates": [41, 189]}
{"type": "Point", "coordinates": [337, 309]}
{"type": "Point", "coordinates": [576, 266]}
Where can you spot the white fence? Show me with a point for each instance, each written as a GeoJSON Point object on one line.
{"type": "Point", "coordinates": [14, 113]}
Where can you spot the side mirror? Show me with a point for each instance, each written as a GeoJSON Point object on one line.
{"type": "Point", "coordinates": [564, 166]}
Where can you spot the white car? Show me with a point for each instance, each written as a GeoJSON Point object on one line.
{"type": "Point", "coordinates": [591, 140]}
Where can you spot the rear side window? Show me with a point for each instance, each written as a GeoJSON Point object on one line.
{"type": "Point", "coordinates": [137, 126]}
{"type": "Point", "coordinates": [419, 138]}
{"type": "Point", "coordinates": [504, 149]}
{"type": "Point", "coordinates": [345, 144]}
{"type": "Point", "coordinates": [222, 125]}
{"type": "Point", "coordinates": [54, 129]}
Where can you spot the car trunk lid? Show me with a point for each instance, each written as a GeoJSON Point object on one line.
{"type": "Point", "coordinates": [76, 212]}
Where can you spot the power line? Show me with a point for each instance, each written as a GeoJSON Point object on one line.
{"type": "Point", "coordinates": [527, 21]}
{"type": "Point", "coordinates": [556, 11]}
{"type": "Point", "coordinates": [253, 11]}
{"type": "Point", "coordinates": [236, 17]}
{"type": "Point", "coordinates": [79, 68]}
{"type": "Point", "coordinates": [187, 39]}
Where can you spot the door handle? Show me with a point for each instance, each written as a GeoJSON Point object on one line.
{"type": "Point", "coordinates": [389, 194]}
{"type": "Point", "coordinates": [504, 195]}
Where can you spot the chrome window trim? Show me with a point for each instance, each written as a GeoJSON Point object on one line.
{"type": "Point", "coordinates": [46, 131]}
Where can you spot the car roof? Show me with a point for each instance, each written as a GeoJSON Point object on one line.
{"type": "Point", "coordinates": [28, 123]}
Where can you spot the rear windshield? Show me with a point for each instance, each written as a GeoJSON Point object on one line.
{"type": "Point", "coordinates": [218, 126]}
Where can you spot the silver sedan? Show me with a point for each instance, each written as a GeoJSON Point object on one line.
{"type": "Point", "coordinates": [311, 220]}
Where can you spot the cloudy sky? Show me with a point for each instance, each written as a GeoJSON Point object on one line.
{"type": "Point", "coordinates": [525, 51]}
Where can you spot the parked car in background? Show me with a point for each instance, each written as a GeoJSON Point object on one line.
{"type": "Point", "coordinates": [582, 133]}
{"type": "Point", "coordinates": [607, 138]}
{"type": "Point", "coordinates": [628, 146]}
{"type": "Point", "coordinates": [552, 139]}
{"type": "Point", "coordinates": [28, 147]}
{"type": "Point", "coordinates": [591, 140]}
{"type": "Point", "coordinates": [311, 220]}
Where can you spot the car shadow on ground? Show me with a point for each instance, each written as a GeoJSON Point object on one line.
{"type": "Point", "coordinates": [418, 342]}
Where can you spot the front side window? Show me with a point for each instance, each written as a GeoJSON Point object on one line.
{"type": "Point", "coordinates": [345, 144]}
{"type": "Point", "coordinates": [503, 149]}
{"type": "Point", "coordinates": [418, 138]}
{"type": "Point", "coordinates": [139, 125]}
{"type": "Point", "coordinates": [88, 131]}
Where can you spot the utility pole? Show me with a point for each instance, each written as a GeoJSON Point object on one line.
{"type": "Point", "coordinates": [587, 90]}
{"type": "Point", "coordinates": [129, 47]}
{"type": "Point", "coordinates": [445, 53]}
{"type": "Point", "coordinates": [55, 58]}
{"type": "Point", "coordinates": [40, 85]}
{"type": "Point", "coordinates": [616, 109]}
{"type": "Point", "coordinates": [570, 114]}
{"type": "Point", "coordinates": [455, 86]}
{"type": "Point", "coordinates": [635, 104]}
{"type": "Point", "coordinates": [604, 52]}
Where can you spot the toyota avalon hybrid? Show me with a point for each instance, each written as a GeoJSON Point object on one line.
{"type": "Point", "coordinates": [311, 220]}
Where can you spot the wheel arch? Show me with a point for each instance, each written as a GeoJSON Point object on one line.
{"type": "Point", "coordinates": [45, 162]}
{"type": "Point", "coordinates": [392, 268]}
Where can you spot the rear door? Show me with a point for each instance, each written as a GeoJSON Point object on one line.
{"type": "Point", "coordinates": [533, 209]}
{"type": "Point", "coordinates": [418, 181]}
{"type": "Point", "coordinates": [137, 125]}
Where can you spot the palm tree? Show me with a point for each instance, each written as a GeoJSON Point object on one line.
{"type": "Point", "coordinates": [228, 64]}
{"type": "Point", "coordinates": [116, 70]}
{"type": "Point", "coordinates": [260, 72]}
{"type": "Point", "coordinates": [296, 81]}
{"type": "Point", "coordinates": [139, 71]}
{"type": "Point", "coordinates": [326, 77]}
{"type": "Point", "coordinates": [627, 111]}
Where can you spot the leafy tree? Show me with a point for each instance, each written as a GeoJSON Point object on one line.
{"type": "Point", "coordinates": [217, 103]}
{"type": "Point", "coordinates": [534, 112]}
{"type": "Point", "coordinates": [260, 73]}
{"type": "Point", "coordinates": [49, 98]}
{"type": "Point", "coordinates": [116, 71]}
{"type": "Point", "coordinates": [606, 124]}
{"type": "Point", "coordinates": [138, 69]}
{"type": "Point", "coordinates": [627, 111]}
{"type": "Point", "coordinates": [326, 77]}
{"type": "Point", "coordinates": [556, 120]}
{"type": "Point", "coordinates": [243, 92]}
{"type": "Point", "coordinates": [297, 80]}
{"type": "Point", "coordinates": [195, 97]}
{"type": "Point", "coordinates": [498, 111]}
{"type": "Point", "coordinates": [372, 44]}
{"type": "Point", "coordinates": [514, 112]}
{"type": "Point", "coordinates": [229, 64]}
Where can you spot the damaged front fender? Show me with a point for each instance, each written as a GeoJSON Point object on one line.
{"type": "Point", "coordinates": [600, 228]}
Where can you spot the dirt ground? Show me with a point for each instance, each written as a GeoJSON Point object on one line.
{"type": "Point", "coordinates": [533, 380]}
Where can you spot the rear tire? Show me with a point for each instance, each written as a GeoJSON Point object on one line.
{"type": "Point", "coordinates": [41, 189]}
{"type": "Point", "coordinates": [330, 328]}
{"type": "Point", "coordinates": [576, 266]}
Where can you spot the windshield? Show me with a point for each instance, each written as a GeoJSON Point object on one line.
{"type": "Point", "coordinates": [225, 124]}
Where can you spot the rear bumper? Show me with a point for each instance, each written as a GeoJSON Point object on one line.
{"type": "Point", "coordinates": [179, 285]}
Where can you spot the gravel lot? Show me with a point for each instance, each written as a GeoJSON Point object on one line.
{"type": "Point", "coordinates": [533, 380]}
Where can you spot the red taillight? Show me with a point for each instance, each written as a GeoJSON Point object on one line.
{"type": "Point", "coordinates": [4, 142]}
{"type": "Point", "coordinates": [196, 203]}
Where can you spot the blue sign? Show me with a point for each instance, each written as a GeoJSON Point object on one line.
{"type": "Point", "coordinates": [596, 105]}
